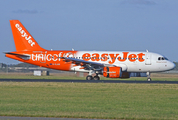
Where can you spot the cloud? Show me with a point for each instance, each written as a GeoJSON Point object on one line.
{"type": "Point", "coordinates": [25, 11]}
{"type": "Point", "coordinates": [139, 2]}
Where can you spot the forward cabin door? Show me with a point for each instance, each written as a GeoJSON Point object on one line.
{"type": "Point", "coordinates": [148, 59]}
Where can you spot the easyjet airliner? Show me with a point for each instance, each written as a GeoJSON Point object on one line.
{"type": "Point", "coordinates": [112, 64]}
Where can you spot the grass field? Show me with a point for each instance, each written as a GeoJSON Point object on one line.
{"type": "Point", "coordinates": [89, 100]}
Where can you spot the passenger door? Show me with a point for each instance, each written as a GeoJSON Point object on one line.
{"type": "Point", "coordinates": [148, 59]}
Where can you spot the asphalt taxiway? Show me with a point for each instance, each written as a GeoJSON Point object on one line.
{"type": "Point", "coordinates": [88, 81]}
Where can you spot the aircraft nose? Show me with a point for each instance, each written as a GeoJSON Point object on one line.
{"type": "Point", "coordinates": [171, 65]}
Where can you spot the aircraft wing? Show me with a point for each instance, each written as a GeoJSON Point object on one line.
{"type": "Point", "coordinates": [87, 65]}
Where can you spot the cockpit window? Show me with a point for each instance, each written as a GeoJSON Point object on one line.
{"type": "Point", "coordinates": [162, 58]}
{"type": "Point", "coordinates": [165, 58]}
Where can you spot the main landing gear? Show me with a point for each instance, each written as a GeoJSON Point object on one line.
{"type": "Point", "coordinates": [90, 77]}
{"type": "Point", "coordinates": [148, 76]}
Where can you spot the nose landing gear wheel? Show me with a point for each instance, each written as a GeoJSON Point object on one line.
{"type": "Point", "coordinates": [148, 76]}
{"type": "Point", "coordinates": [149, 79]}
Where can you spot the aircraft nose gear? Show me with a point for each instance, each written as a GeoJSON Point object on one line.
{"type": "Point", "coordinates": [148, 76]}
{"type": "Point", "coordinates": [148, 79]}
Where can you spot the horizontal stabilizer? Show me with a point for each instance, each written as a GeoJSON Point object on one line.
{"type": "Point", "coordinates": [25, 57]}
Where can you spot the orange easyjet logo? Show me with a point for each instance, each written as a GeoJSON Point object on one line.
{"type": "Point", "coordinates": [113, 57]}
{"type": "Point", "coordinates": [24, 34]}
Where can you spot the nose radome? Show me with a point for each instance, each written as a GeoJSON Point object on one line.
{"type": "Point", "coordinates": [171, 65]}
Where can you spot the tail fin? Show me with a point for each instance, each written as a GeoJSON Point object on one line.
{"type": "Point", "coordinates": [22, 38]}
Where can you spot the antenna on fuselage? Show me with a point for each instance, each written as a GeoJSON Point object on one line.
{"type": "Point", "coordinates": [146, 50]}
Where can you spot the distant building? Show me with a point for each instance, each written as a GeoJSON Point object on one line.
{"type": "Point", "coordinates": [37, 73]}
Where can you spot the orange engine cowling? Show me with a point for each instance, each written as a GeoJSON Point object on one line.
{"type": "Point", "coordinates": [112, 72]}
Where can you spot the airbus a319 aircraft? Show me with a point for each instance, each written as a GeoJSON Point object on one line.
{"type": "Point", "coordinates": [111, 64]}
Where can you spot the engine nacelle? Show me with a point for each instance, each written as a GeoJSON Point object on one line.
{"type": "Point", "coordinates": [115, 72]}
{"type": "Point", "coordinates": [112, 72]}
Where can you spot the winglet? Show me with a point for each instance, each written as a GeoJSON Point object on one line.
{"type": "Point", "coordinates": [22, 38]}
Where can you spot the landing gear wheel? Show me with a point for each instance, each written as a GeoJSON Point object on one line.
{"type": "Point", "coordinates": [89, 77]}
{"type": "Point", "coordinates": [149, 79]}
{"type": "Point", "coordinates": [96, 78]}
{"type": "Point", "coordinates": [148, 76]}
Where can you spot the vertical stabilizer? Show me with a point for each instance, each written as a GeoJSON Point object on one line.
{"type": "Point", "coordinates": [22, 38]}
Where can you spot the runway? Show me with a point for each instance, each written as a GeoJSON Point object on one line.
{"type": "Point", "coordinates": [88, 81]}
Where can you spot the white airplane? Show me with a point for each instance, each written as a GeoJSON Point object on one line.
{"type": "Point", "coordinates": [112, 64]}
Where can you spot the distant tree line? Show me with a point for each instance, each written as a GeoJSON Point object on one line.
{"type": "Point", "coordinates": [176, 68]}
{"type": "Point", "coordinates": [24, 65]}
{"type": "Point", "coordinates": [11, 67]}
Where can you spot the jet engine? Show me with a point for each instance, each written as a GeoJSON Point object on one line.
{"type": "Point", "coordinates": [115, 72]}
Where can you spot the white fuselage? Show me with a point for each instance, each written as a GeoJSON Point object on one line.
{"type": "Point", "coordinates": [129, 61]}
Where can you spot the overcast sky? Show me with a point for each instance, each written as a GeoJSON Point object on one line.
{"type": "Point", "coordinates": [113, 25]}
